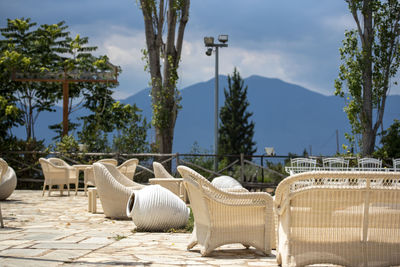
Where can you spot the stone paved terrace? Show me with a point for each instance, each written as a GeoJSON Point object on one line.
{"type": "Point", "coordinates": [59, 231]}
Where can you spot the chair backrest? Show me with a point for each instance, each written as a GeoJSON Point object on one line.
{"type": "Point", "coordinates": [119, 176]}
{"type": "Point", "coordinates": [370, 164]}
{"type": "Point", "coordinates": [58, 162]}
{"type": "Point", "coordinates": [51, 170]}
{"type": "Point", "coordinates": [128, 168]}
{"type": "Point", "coordinates": [109, 161]}
{"type": "Point", "coordinates": [197, 188]}
{"type": "Point", "coordinates": [335, 163]}
{"type": "Point", "coordinates": [340, 211]}
{"type": "Point", "coordinates": [160, 171]}
{"type": "Point", "coordinates": [396, 165]}
{"type": "Point", "coordinates": [303, 164]}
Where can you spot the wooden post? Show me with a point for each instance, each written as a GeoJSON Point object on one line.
{"type": "Point", "coordinates": [65, 108]}
{"type": "Point", "coordinates": [242, 167]}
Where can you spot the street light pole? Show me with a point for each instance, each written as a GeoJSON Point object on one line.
{"type": "Point", "coordinates": [209, 42]}
{"type": "Point", "coordinates": [216, 112]}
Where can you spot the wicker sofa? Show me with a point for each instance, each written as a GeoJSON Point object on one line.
{"type": "Point", "coordinates": [345, 218]}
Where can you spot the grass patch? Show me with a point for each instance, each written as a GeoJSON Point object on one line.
{"type": "Point", "coordinates": [118, 237]}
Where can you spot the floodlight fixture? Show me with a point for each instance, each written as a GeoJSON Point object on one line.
{"type": "Point", "coordinates": [209, 51]}
{"type": "Point", "coordinates": [223, 38]}
{"type": "Point", "coordinates": [209, 41]}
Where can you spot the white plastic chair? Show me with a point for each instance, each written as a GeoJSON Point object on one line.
{"type": "Point", "coordinates": [335, 164]}
{"type": "Point", "coordinates": [396, 165]}
{"type": "Point", "coordinates": [302, 165]}
{"type": "Point", "coordinates": [369, 164]}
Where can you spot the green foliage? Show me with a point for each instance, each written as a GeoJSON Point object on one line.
{"type": "Point", "coordinates": [236, 132]}
{"type": "Point", "coordinates": [390, 142]}
{"type": "Point", "coordinates": [38, 51]}
{"type": "Point", "coordinates": [10, 116]}
{"type": "Point", "coordinates": [368, 67]}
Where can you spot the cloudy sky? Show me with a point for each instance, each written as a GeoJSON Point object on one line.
{"type": "Point", "coordinates": [296, 41]}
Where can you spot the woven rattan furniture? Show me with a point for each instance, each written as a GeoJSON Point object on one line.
{"type": "Point", "coordinates": [8, 180]}
{"type": "Point", "coordinates": [339, 221]}
{"type": "Point", "coordinates": [88, 177]}
{"type": "Point", "coordinates": [165, 179]}
{"type": "Point", "coordinates": [222, 217]}
{"type": "Point", "coordinates": [114, 189]}
{"type": "Point", "coordinates": [72, 174]}
{"type": "Point", "coordinates": [54, 175]}
{"type": "Point", "coordinates": [128, 168]}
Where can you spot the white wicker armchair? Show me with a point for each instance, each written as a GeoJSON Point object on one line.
{"type": "Point", "coordinates": [72, 174]}
{"type": "Point", "coordinates": [8, 180]}
{"type": "Point", "coordinates": [88, 175]}
{"type": "Point", "coordinates": [128, 168]}
{"type": "Point", "coordinates": [114, 189]}
{"type": "Point", "coordinates": [163, 178]}
{"type": "Point", "coordinates": [338, 221]}
{"type": "Point", "coordinates": [223, 218]}
{"type": "Point", "coordinates": [54, 175]}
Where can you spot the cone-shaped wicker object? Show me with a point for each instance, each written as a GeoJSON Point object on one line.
{"type": "Point", "coordinates": [155, 208]}
{"type": "Point", "coordinates": [8, 180]}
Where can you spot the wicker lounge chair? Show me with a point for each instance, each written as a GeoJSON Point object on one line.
{"type": "Point", "coordinates": [128, 168]}
{"type": "Point", "coordinates": [339, 222]}
{"type": "Point", "coordinates": [54, 175]}
{"type": "Point", "coordinates": [88, 177]}
{"type": "Point", "coordinates": [8, 180]}
{"type": "Point", "coordinates": [222, 217]}
{"type": "Point", "coordinates": [163, 178]}
{"type": "Point", "coordinates": [72, 175]}
{"type": "Point", "coordinates": [114, 189]}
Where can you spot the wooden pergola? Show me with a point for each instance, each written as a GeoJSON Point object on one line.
{"type": "Point", "coordinates": [65, 77]}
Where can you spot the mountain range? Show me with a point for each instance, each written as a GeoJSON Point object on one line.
{"type": "Point", "coordinates": [288, 117]}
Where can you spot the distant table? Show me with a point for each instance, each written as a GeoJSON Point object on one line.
{"type": "Point", "coordinates": [80, 167]}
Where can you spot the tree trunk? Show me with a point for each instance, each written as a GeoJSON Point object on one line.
{"type": "Point", "coordinates": [368, 136]}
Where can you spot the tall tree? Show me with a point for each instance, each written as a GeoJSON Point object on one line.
{"type": "Point", "coordinates": [369, 67]}
{"type": "Point", "coordinates": [165, 97]}
{"type": "Point", "coordinates": [236, 131]}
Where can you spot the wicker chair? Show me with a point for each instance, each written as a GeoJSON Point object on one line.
{"type": "Point", "coordinates": [8, 180]}
{"type": "Point", "coordinates": [88, 175]}
{"type": "Point", "coordinates": [339, 222]}
{"type": "Point", "coordinates": [114, 189]}
{"type": "Point", "coordinates": [163, 178]}
{"type": "Point", "coordinates": [222, 217]}
{"type": "Point", "coordinates": [72, 174]}
{"type": "Point", "coordinates": [54, 175]}
{"type": "Point", "coordinates": [128, 168]}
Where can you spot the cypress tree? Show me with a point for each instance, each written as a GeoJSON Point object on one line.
{"type": "Point", "coordinates": [236, 131]}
